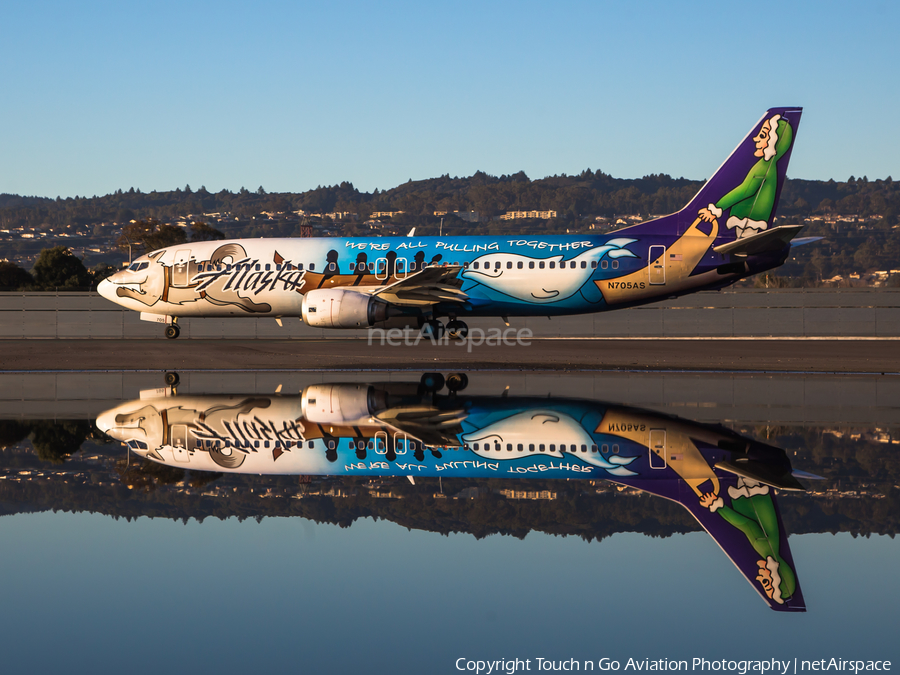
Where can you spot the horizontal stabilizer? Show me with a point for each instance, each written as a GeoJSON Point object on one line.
{"type": "Point", "coordinates": [763, 473]}
{"type": "Point", "coordinates": [767, 240]}
{"type": "Point", "coordinates": [805, 240]}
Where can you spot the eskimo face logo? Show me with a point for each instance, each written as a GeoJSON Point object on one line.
{"type": "Point", "coordinates": [542, 280]}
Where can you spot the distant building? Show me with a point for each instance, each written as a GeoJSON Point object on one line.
{"type": "Point", "coordinates": [385, 214]}
{"type": "Point", "coordinates": [468, 216]}
{"type": "Point", "coordinates": [516, 215]}
{"type": "Point", "coordinates": [528, 494]}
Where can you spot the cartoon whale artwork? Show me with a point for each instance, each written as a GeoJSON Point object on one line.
{"type": "Point", "coordinates": [548, 285]}
{"type": "Point", "coordinates": [534, 427]}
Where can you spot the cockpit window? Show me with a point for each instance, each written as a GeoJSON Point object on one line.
{"type": "Point", "coordinates": [133, 267]}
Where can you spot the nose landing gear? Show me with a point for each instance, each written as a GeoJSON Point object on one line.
{"type": "Point", "coordinates": [173, 331]}
{"type": "Point", "coordinates": [457, 330]}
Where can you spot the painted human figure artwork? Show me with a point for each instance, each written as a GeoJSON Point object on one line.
{"type": "Point", "coordinates": [752, 511]}
{"type": "Point", "coordinates": [750, 204]}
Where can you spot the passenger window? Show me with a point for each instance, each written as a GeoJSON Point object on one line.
{"type": "Point", "coordinates": [520, 447]}
{"type": "Point", "coordinates": [475, 265]}
{"type": "Point", "coordinates": [553, 447]}
{"type": "Point", "coordinates": [257, 267]}
{"type": "Point", "coordinates": [541, 447]}
{"type": "Point", "coordinates": [615, 264]}
{"type": "Point", "coordinates": [615, 449]}
{"type": "Point", "coordinates": [497, 265]}
{"type": "Point", "coordinates": [352, 266]}
{"type": "Point", "coordinates": [300, 266]}
{"type": "Point", "coordinates": [509, 265]}
{"type": "Point", "coordinates": [604, 264]}
{"type": "Point", "coordinates": [593, 264]}
{"type": "Point", "coordinates": [311, 445]}
{"type": "Point", "coordinates": [331, 445]}
{"type": "Point", "coordinates": [531, 447]}
{"type": "Point", "coordinates": [583, 447]}
{"type": "Point", "coordinates": [574, 264]}
{"type": "Point", "coordinates": [312, 267]}
{"type": "Point", "coordinates": [228, 267]}
{"type": "Point", "coordinates": [509, 447]}
{"type": "Point", "coordinates": [605, 448]}
{"type": "Point", "coordinates": [553, 265]}
{"type": "Point", "coordinates": [541, 264]}
{"type": "Point", "coordinates": [412, 267]}
{"type": "Point", "coordinates": [475, 446]}
{"type": "Point", "coordinates": [531, 265]}
{"type": "Point", "coordinates": [331, 267]}
{"type": "Point", "coordinates": [593, 448]}
{"type": "Point", "coordinates": [255, 444]}
{"type": "Point", "coordinates": [519, 265]}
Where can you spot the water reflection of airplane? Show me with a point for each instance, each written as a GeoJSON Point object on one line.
{"type": "Point", "coordinates": [724, 479]}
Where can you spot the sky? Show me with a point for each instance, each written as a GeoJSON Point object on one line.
{"type": "Point", "coordinates": [98, 96]}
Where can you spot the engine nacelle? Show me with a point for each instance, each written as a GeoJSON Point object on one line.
{"type": "Point", "coordinates": [338, 404]}
{"type": "Point", "coordinates": [340, 308]}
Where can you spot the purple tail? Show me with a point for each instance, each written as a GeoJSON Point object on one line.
{"type": "Point", "coordinates": [743, 193]}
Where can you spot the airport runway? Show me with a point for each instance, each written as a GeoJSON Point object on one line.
{"type": "Point", "coordinates": [738, 355]}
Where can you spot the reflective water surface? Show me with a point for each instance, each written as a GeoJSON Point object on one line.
{"type": "Point", "coordinates": [252, 529]}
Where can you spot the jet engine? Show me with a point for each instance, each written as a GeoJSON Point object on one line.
{"type": "Point", "coordinates": [340, 404]}
{"type": "Point", "coordinates": [340, 308]}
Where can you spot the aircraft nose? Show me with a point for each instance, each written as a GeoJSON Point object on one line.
{"type": "Point", "coordinates": [107, 289]}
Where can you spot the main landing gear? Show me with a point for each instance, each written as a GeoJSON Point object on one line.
{"type": "Point", "coordinates": [455, 329]}
{"type": "Point", "coordinates": [172, 330]}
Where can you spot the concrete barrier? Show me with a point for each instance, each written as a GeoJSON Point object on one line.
{"type": "Point", "coordinates": [867, 312]}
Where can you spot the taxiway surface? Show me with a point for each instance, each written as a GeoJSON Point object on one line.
{"type": "Point", "coordinates": [739, 355]}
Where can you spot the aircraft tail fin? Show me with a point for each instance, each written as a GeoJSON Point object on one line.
{"type": "Point", "coordinates": [748, 184]}
{"type": "Point", "coordinates": [744, 520]}
{"type": "Point", "coordinates": [742, 195]}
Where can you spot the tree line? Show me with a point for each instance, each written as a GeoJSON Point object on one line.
{"type": "Point", "coordinates": [588, 194]}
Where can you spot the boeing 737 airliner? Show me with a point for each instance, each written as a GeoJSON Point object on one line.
{"type": "Point", "coordinates": [726, 481]}
{"type": "Point", "coordinates": [724, 234]}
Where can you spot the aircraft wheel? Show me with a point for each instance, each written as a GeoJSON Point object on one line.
{"type": "Point", "coordinates": [172, 331]}
{"type": "Point", "coordinates": [172, 379]}
{"type": "Point", "coordinates": [432, 382]}
{"type": "Point", "coordinates": [457, 381]}
{"type": "Point", "coordinates": [457, 330]}
{"type": "Point", "coordinates": [433, 329]}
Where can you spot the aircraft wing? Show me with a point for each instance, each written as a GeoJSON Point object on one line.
{"type": "Point", "coordinates": [767, 240]}
{"type": "Point", "coordinates": [426, 287]}
{"type": "Point", "coordinates": [746, 523]}
{"type": "Point", "coordinates": [430, 426]}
